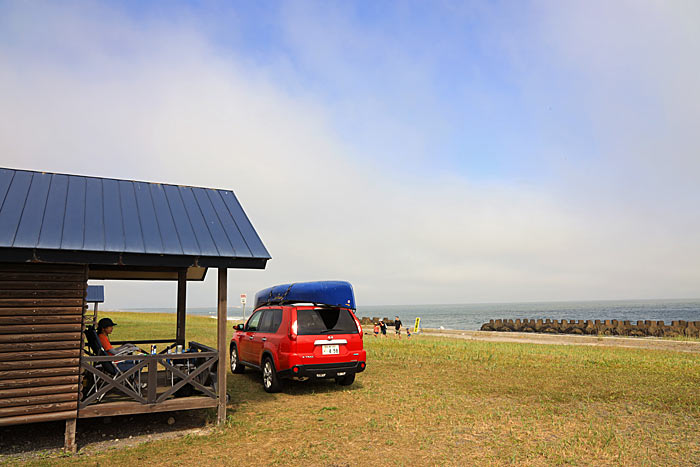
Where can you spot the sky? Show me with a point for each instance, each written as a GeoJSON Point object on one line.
{"type": "Point", "coordinates": [428, 152]}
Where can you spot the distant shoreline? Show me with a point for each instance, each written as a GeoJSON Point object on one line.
{"type": "Point", "coordinates": [473, 316]}
{"type": "Point", "coordinates": [649, 343]}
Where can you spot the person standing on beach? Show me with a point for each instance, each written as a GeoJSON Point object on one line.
{"type": "Point", "coordinates": [382, 326]}
{"type": "Point", "coordinates": [376, 329]}
{"type": "Point", "coordinates": [397, 326]}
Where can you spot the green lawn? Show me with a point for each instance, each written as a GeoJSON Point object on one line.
{"type": "Point", "coordinates": [447, 401]}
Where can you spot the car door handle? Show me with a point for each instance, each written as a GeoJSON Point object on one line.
{"type": "Point", "coordinates": [251, 337]}
{"type": "Point", "coordinates": [264, 339]}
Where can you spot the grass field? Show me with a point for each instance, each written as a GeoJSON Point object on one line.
{"type": "Point", "coordinates": [447, 401]}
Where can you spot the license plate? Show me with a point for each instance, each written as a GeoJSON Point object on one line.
{"type": "Point", "coordinates": [331, 350]}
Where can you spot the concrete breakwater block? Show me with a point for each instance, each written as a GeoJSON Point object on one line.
{"type": "Point", "coordinates": [597, 327]}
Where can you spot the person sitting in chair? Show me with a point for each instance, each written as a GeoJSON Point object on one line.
{"type": "Point", "coordinates": [105, 326]}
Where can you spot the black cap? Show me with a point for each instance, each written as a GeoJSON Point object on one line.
{"type": "Point", "coordinates": [105, 323]}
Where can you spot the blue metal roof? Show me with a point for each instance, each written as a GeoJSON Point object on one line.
{"type": "Point", "coordinates": [332, 293]}
{"type": "Point", "coordinates": [95, 293]}
{"type": "Point", "coordinates": [69, 218]}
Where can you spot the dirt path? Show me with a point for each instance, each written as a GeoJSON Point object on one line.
{"type": "Point", "coordinates": [569, 339]}
{"type": "Point", "coordinates": [560, 339]}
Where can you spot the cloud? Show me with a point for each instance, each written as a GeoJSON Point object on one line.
{"type": "Point", "coordinates": [88, 89]}
{"type": "Point", "coordinates": [628, 72]}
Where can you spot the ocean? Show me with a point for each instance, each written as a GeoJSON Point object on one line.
{"type": "Point", "coordinates": [472, 315]}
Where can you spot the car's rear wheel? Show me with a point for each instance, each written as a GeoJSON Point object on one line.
{"type": "Point", "coordinates": [236, 366]}
{"type": "Point", "coordinates": [346, 380]}
{"type": "Point", "coordinates": [271, 382]}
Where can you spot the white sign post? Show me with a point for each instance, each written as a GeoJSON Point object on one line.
{"type": "Point", "coordinates": [243, 300]}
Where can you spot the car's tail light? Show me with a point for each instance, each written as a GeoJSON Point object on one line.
{"type": "Point", "coordinates": [293, 330]}
{"type": "Point", "coordinates": [357, 323]}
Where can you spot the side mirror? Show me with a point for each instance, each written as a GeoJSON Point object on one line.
{"type": "Point", "coordinates": [238, 327]}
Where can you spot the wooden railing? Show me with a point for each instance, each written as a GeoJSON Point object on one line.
{"type": "Point", "coordinates": [146, 341]}
{"type": "Point", "coordinates": [197, 374]}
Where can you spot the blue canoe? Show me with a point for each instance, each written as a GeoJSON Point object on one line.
{"type": "Point", "coordinates": [330, 293]}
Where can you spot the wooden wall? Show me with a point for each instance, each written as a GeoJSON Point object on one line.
{"type": "Point", "coordinates": [41, 318]}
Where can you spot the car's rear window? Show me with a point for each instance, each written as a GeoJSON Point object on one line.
{"type": "Point", "coordinates": [325, 321]}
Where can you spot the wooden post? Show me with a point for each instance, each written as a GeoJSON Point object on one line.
{"type": "Point", "coordinates": [181, 305]}
{"type": "Point", "coordinates": [221, 323]}
{"type": "Point", "coordinates": [70, 424]}
{"type": "Point", "coordinates": [69, 442]}
{"type": "Point", "coordinates": [94, 315]}
{"type": "Point", "coordinates": [152, 382]}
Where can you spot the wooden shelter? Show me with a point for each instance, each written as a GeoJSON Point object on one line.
{"type": "Point", "coordinates": [58, 231]}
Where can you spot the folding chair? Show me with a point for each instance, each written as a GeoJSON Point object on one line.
{"type": "Point", "coordinates": [95, 349]}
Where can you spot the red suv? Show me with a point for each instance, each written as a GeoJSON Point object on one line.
{"type": "Point", "coordinates": [301, 331]}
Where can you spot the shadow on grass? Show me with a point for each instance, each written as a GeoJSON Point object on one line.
{"type": "Point", "coordinates": [39, 439]}
{"type": "Point", "coordinates": [247, 387]}
{"type": "Point", "coordinates": [36, 439]}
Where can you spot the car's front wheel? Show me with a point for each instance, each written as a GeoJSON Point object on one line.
{"type": "Point", "coordinates": [236, 366]}
{"type": "Point", "coordinates": [270, 381]}
{"type": "Point", "coordinates": [346, 380]}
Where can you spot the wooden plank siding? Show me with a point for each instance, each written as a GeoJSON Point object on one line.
{"type": "Point", "coordinates": [38, 382]}
{"type": "Point", "coordinates": [51, 319]}
{"type": "Point", "coordinates": [31, 346]}
{"type": "Point", "coordinates": [39, 337]}
{"type": "Point", "coordinates": [41, 311]}
{"type": "Point", "coordinates": [41, 323]}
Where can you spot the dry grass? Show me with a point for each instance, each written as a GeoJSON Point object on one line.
{"type": "Point", "coordinates": [449, 401]}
